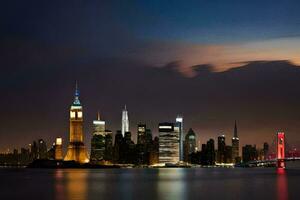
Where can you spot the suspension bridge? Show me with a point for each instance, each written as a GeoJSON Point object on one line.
{"type": "Point", "coordinates": [281, 157]}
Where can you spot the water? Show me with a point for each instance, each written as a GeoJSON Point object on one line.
{"type": "Point", "coordinates": [144, 184]}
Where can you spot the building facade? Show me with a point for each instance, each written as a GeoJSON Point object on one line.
{"type": "Point", "coordinates": [42, 149]}
{"type": "Point", "coordinates": [58, 149]}
{"type": "Point", "coordinates": [210, 151]}
{"type": "Point", "coordinates": [249, 153]}
{"type": "Point", "coordinates": [76, 149]}
{"type": "Point", "coordinates": [189, 144]}
{"type": "Point", "coordinates": [98, 140]}
{"type": "Point", "coordinates": [221, 149]}
{"type": "Point", "coordinates": [125, 121]}
{"type": "Point", "coordinates": [179, 124]}
{"type": "Point", "coordinates": [168, 143]}
{"type": "Point", "coordinates": [141, 134]}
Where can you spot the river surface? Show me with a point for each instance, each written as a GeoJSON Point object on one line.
{"type": "Point", "coordinates": [144, 184]}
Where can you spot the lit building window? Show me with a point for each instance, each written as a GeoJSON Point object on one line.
{"type": "Point", "coordinates": [72, 114]}
{"type": "Point", "coordinates": [79, 114]}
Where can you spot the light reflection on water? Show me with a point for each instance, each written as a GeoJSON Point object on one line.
{"type": "Point", "coordinates": [76, 184]}
{"type": "Point", "coordinates": [170, 184]}
{"type": "Point", "coordinates": [152, 184]}
{"type": "Point", "coordinates": [282, 184]}
{"type": "Point", "coordinates": [59, 185]}
{"type": "Point", "coordinates": [70, 184]}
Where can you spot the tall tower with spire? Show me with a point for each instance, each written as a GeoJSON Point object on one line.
{"type": "Point", "coordinates": [235, 144]}
{"type": "Point", "coordinates": [76, 149]}
{"type": "Point", "coordinates": [125, 121]}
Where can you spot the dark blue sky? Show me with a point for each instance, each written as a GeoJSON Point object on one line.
{"type": "Point", "coordinates": [213, 21]}
{"type": "Point", "coordinates": [91, 23]}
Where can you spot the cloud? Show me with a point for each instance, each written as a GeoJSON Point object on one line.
{"type": "Point", "coordinates": [221, 56]}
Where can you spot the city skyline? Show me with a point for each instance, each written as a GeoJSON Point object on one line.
{"type": "Point", "coordinates": [169, 149]}
{"type": "Point", "coordinates": [133, 130]}
{"type": "Point", "coordinates": [77, 135]}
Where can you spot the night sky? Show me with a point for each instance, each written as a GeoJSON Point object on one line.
{"type": "Point", "coordinates": [211, 61]}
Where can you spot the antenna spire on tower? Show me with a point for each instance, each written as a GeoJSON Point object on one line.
{"type": "Point", "coordinates": [76, 99]}
{"type": "Point", "coordinates": [76, 89]}
{"type": "Point", "coordinates": [98, 116]}
{"type": "Point", "coordinates": [235, 129]}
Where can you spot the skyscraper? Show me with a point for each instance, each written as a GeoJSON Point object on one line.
{"type": "Point", "coordinates": [228, 154]}
{"type": "Point", "coordinates": [179, 123]}
{"type": "Point", "coordinates": [34, 150]}
{"type": "Point", "coordinates": [249, 153]}
{"type": "Point", "coordinates": [141, 134]}
{"type": "Point", "coordinates": [118, 147]}
{"type": "Point", "coordinates": [148, 137]}
{"type": "Point", "coordinates": [76, 149]}
{"type": "Point", "coordinates": [98, 140]}
{"type": "Point", "coordinates": [42, 149]}
{"type": "Point", "coordinates": [125, 121]}
{"type": "Point", "coordinates": [266, 150]}
{"type": "Point", "coordinates": [235, 144]}
{"type": "Point", "coordinates": [99, 125]}
{"type": "Point", "coordinates": [190, 144]}
{"type": "Point", "coordinates": [141, 146]}
{"type": "Point", "coordinates": [210, 151]}
{"type": "Point", "coordinates": [108, 154]}
{"type": "Point", "coordinates": [168, 143]}
{"type": "Point", "coordinates": [221, 149]}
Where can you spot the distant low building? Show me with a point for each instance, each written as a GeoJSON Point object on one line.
{"type": "Point", "coordinates": [42, 149]}
{"type": "Point", "coordinates": [266, 151]}
{"type": "Point", "coordinates": [58, 149]}
{"type": "Point", "coordinates": [249, 153]}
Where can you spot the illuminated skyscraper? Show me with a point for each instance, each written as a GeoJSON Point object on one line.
{"type": "Point", "coordinates": [98, 140]}
{"type": "Point", "coordinates": [125, 121]}
{"type": "Point", "coordinates": [168, 143]}
{"type": "Point", "coordinates": [99, 126]}
{"type": "Point", "coordinates": [142, 143]}
{"type": "Point", "coordinates": [179, 124]}
{"type": "Point", "coordinates": [141, 134]}
{"type": "Point", "coordinates": [235, 144]}
{"type": "Point", "coordinates": [76, 149]}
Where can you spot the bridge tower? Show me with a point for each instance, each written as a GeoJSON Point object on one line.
{"type": "Point", "coordinates": [280, 150]}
